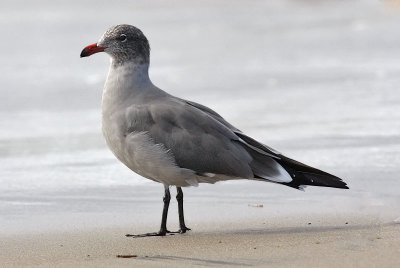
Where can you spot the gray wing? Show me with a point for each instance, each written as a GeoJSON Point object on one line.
{"type": "Point", "coordinates": [196, 140]}
{"type": "Point", "coordinates": [246, 139]}
{"type": "Point", "coordinates": [201, 140]}
{"type": "Point", "coordinates": [211, 113]}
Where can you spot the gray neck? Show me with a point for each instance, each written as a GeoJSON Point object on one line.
{"type": "Point", "coordinates": [128, 76]}
{"type": "Point", "coordinates": [125, 80]}
{"type": "Point", "coordinates": [121, 59]}
{"type": "Point", "coordinates": [135, 70]}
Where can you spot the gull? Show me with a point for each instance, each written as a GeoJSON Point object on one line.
{"type": "Point", "coordinates": [178, 142]}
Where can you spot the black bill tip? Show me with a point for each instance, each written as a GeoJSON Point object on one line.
{"type": "Point", "coordinates": [84, 53]}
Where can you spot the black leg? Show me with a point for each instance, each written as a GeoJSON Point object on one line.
{"type": "Point", "coordinates": [163, 229]}
{"type": "Point", "coordinates": [179, 198]}
{"type": "Point", "coordinates": [166, 199]}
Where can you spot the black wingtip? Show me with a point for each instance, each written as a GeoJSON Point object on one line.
{"type": "Point", "coordinates": [321, 180]}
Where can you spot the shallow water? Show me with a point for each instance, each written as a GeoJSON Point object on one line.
{"type": "Point", "coordinates": [316, 80]}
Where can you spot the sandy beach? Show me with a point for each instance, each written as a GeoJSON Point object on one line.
{"type": "Point", "coordinates": [321, 242]}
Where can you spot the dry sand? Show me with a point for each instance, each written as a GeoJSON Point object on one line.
{"type": "Point", "coordinates": [321, 242]}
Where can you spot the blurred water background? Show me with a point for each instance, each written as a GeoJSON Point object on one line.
{"type": "Point", "coordinates": [316, 80]}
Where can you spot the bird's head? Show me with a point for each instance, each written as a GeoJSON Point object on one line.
{"type": "Point", "coordinates": [123, 43]}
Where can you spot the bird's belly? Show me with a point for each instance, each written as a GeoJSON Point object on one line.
{"type": "Point", "coordinates": [150, 160]}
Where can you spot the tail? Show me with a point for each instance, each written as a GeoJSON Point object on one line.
{"type": "Point", "coordinates": [272, 166]}
{"type": "Point", "coordinates": [303, 175]}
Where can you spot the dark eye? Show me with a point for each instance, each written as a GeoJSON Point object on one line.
{"type": "Point", "coordinates": [122, 38]}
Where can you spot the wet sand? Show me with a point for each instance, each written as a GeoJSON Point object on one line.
{"type": "Point", "coordinates": [321, 242]}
